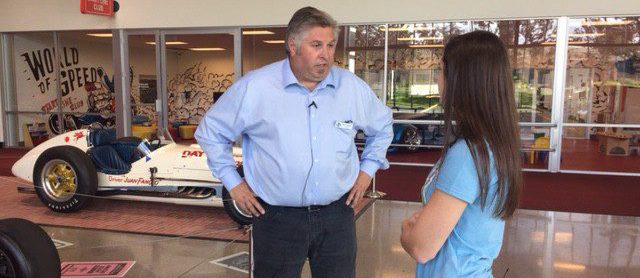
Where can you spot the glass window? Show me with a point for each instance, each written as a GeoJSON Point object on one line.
{"type": "Point", "coordinates": [536, 147]}
{"type": "Point", "coordinates": [86, 79]}
{"type": "Point", "coordinates": [603, 71]}
{"type": "Point", "coordinates": [84, 60]}
{"type": "Point", "coordinates": [602, 87]}
{"type": "Point", "coordinates": [262, 46]}
{"type": "Point", "coordinates": [35, 98]}
{"type": "Point", "coordinates": [415, 52]}
{"type": "Point", "coordinates": [365, 54]}
{"type": "Point", "coordinates": [34, 72]}
{"type": "Point", "coordinates": [531, 47]}
{"type": "Point", "coordinates": [610, 150]}
{"type": "Point", "coordinates": [199, 69]}
{"type": "Point", "coordinates": [144, 84]}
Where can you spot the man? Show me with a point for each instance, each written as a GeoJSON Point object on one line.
{"type": "Point", "coordinates": [298, 118]}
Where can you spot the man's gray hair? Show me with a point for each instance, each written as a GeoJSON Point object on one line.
{"type": "Point", "coordinates": [304, 19]}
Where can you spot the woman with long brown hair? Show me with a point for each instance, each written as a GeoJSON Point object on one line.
{"type": "Point", "coordinates": [475, 185]}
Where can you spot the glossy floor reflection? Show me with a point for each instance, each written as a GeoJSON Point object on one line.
{"type": "Point", "coordinates": [536, 244]}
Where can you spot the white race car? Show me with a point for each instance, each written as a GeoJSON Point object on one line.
{"type": "Point", "coordinates": [69, 169]}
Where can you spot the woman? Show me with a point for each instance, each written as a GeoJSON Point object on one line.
{"type": "Point", "coordinates": [475, 185]}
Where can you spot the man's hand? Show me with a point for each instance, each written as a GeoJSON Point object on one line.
{"type": "Point", "coordinates": [359, 188]}
{"type": "Point", "coordinates": [243, 196]}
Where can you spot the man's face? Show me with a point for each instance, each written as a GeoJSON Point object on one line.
{"type": "Point", "coordinates": [312, 61]}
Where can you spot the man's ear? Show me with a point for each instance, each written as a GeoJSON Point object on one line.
{"type": "Point", "coordinates": [292, 46]}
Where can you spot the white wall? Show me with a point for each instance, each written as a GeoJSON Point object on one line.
{"type": "Point", "coordinates": [32, 15]}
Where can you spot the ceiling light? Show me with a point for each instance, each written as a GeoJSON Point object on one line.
{"type": "Point", "coordinates": [168, 43]}
{"type": "Point", "coordinates": [569, 266]}
{"type": "Point", "coordinates": [537, 236]}
{"type": "Point", "coordinates": [586, 35]}
{"type": "Point", "coordinates": [100, 35]}
{"type": "Point", "coordinates": [421, 39]}
{"type": "Point", "coordinates": [274, 41]}
{"type": "Point", "coordinates": [563, 237]}
{"type": "Point", "coordinates": [207, 49]}
{"type": "Point", "coordinates": [606, 23]}
{"type": "Point", "coordinates": [571, 43]}
{"type": "Point", "coordinates": [407, 28]}
{"type": "Point", "coordinates": [426, 45]}
{"type": "Point", "coordinates": [582, 35]}
{"type": "Point", "coordinates": [257, 32]}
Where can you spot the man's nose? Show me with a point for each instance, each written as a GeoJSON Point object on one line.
{"type": "Point", "coordinates": [324, 52]}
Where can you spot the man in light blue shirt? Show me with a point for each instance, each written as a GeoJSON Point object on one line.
{"type": "Point", "coordinates": [298, 118]}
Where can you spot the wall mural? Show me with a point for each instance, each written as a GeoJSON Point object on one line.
{"type": "Point", "coordinates": [193, 91]}
{"type": "Point", "coordinates": [39, 72]}
{"type": "Point", "coordinates": [87, 90]}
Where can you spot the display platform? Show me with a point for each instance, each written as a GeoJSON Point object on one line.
{"type": "Point", "coordinates": [129, 216]}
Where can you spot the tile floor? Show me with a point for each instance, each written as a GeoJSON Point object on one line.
{"type": "Point", "coordinates": [536, 244]}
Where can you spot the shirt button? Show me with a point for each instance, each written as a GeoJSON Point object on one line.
{"type": "Point", "coordinates": [317, 183]}
{"type": "Point", "coordinates": [314, 138]}
{"type": "Point", "coordinates": [316, 160]}
{"type": "Point", "coordinates": [313, 115]}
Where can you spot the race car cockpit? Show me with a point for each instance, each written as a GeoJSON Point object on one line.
{"type": "Point", "coordinates": [114, 156]}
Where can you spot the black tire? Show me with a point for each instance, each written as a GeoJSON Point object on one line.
{"type": "Point", "coordinates": [26, 250]}
{"type": "Point", "coordinates": [53, 124]}
{"type": "Point", "coordinates": [233, 210]}
{"type": "Point", "coordinates": [65, 178]}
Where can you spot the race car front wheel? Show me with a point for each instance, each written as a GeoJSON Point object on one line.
{"type": "Point", "coordinates": [233, 210]}
{"type": "Point", "coordinates": [65, 178]}
{"type": "Point", "coordinates": [26, 250]}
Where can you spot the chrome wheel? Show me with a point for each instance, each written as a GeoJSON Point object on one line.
{"type": "Point", "coordinates": [59, 180]}
{"type": "Point", "coordinates": [412, 138]}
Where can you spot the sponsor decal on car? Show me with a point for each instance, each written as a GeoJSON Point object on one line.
{"type": "Point", "coordinates": [195, 153]}
{"type": "Point", "coordinates": [125, 179]}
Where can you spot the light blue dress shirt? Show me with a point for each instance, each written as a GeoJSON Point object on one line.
{"type": "Point", "coordinates": [297, 145]}
{"type": "Point", "coordinates": [476, 239]}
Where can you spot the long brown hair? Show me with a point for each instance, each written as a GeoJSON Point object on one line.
{"type": "Point", "coordinates": [479, 97]}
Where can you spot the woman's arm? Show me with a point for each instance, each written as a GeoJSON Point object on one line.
{"type": "Point", "coordinates": [424, 233]}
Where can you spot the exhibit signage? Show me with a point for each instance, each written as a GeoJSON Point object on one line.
{"type": "Point", "coordinates": [99, 7]}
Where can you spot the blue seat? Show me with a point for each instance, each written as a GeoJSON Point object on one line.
{"type": "Point", "coordinates": [126, 148]}
{"type": "Point", "coordinates": [102, 136]}
{"type": "Point", "coordinates": [110, 155]}
{"type": "Point", "coordinates": [108, 161]}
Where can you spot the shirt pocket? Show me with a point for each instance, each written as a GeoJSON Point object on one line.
{"type": "Point", "coordinates": [344, 139]}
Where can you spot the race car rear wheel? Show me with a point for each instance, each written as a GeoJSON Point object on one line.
{"type": "Point", "coordinates": [233, 210]}
{"type": "Point", "coordinates": [65, 178]}
{"type": "Point", "coordinates": [26, 250]}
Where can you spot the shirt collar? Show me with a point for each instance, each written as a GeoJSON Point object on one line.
{"type": "Point", "coordinates": [290, 79]}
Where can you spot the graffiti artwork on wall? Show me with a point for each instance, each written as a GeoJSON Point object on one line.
{"type": "Point", "coordinates": [86, 90]}
{"type": "Point", "coordinates": [73, 76]}
{"type": "Point", "coordinates": [193, 91]}
{"type": "Point", "coordinates": [100, 106]}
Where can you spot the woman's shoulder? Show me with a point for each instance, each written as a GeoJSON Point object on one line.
{"type": "Point", "coordinates": [460, 150]}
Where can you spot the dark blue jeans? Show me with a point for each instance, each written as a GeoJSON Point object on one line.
{"type": "Point", "coordinates": [284, 237]}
